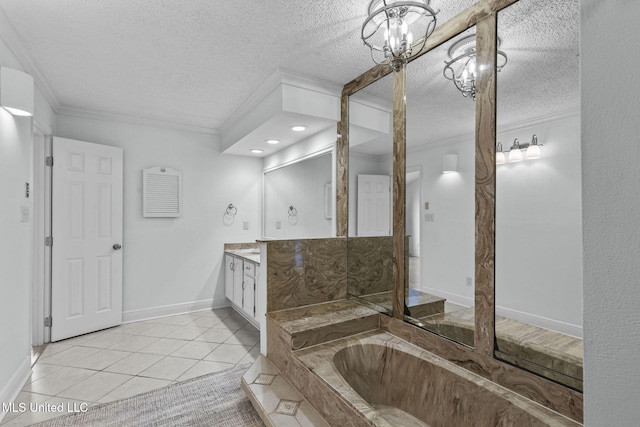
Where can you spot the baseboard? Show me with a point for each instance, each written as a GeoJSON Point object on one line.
{"type": "Point", "coordinates": [11, 390]}
{"type": "Point", "coordinates": [542, 322]}
{"type": "Point", "coordinates": [531, 319]}
{"type": "Point", "coordinates": [173, 309]}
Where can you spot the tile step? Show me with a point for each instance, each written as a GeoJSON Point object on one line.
{"type": "Point", "coordinates": [278, 403]}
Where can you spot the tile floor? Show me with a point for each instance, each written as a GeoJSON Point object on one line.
{"type": "Point", "coordinates": [134, 358]}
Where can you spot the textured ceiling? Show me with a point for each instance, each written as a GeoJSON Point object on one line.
{"type": "Point", "coordinates": [192, 63]}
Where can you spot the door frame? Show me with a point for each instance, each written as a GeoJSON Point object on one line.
{"type": "Point", "coordinates": [40, 301]}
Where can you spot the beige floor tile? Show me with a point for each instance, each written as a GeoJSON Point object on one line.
{"type": "Point", "coordinates": [169, 368]}
{"type": "Point", "coordinates": [159, 330]}
{"type": "Point", "coordinates": [105, 340]}
{"type": "Point", "coordinates": [163, 346]}
{"type": "Point", "coordinates": [215, 335]}
{"type": "Point", "coordinates": [187, 332]}
{"type": "Point", "coordinates": [54, 348]}
{"type": "Point", "coordinates": [206, 321]}
{"type": "Point", "coordinates": [95, 387]}
{"type": "Point", "coordinates": [133, 328]}
{"type": "Point", "coordinates": [228, 353]}
{"type": "Point", "coordinates": [195, 349]}
{"type": "Point", "coordinates": [244, 337]}
{"type": "Point", "coordinates": [134, 363]}
{"type": "Point", "coordinates": [251, 356]}
{"type": "Point", "coordinates": [135, 385]}
{"type": "Point", "coordinates": [59, 381]}
{"type": "Point", "coordinates": [204, 367]}
{"type": "Point", "coordinates": [41, 370]}
{"type": "Point", "coordinates": [70, 355]}
{"type": "Point", "coordinates": [134, 343]}
{"type": "Point", "coordinates": [100, 360]}
{"type": "Point", "coordinates": [178, 320]}
{"type": "Point", "coordinates": [233, 322]}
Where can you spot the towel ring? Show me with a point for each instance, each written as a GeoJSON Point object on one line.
{"type": "Point", "coordinates": [293, 212]}
{"type": "Point", "coordinates": [231, 210]}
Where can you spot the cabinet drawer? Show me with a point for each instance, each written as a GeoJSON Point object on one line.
{"type": "Point", "coordinates": [249, 269]}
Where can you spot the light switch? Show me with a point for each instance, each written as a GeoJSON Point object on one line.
{"type": "Point", "coordinates": [278, 225]}
{"type": "Point", "coordinates": [245, 224]}
{"type": "Point", "coordinates": [426, 206]}
{"type": "Point", "coordinates": [24, 213]}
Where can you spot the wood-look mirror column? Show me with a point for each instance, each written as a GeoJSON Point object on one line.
{"type": "Point", "coordinates": [399, 189]}
{"type": "Point", "coordinates": [486, 45]}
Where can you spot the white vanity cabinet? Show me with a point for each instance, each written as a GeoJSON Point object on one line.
{"type": "Point", "coordinates": [241, 278]}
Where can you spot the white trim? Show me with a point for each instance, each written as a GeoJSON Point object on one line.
{"type": "Point", "coordinates": [13, 387]}
{"type": "Point", "coordinates": [542, 322]}
{"type": "Point", "coordinates": [173, 309]}
{"type": "Point", "coordinates": [325, 150]}
{"type": "Point", "coordinates": [141, 121]}
{"type": "Point", "coordinates": [528, 318]}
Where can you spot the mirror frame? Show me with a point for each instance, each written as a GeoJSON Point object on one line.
{"type": "Point", "coordinates": [480, 359]}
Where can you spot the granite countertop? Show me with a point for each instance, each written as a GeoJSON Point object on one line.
{"type": "Point", "coordinates": [250, 254]}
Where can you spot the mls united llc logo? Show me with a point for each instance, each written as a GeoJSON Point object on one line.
{"type": "Point", "coordinates": [23, 407]}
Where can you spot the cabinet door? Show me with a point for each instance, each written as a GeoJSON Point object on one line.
{"type": "Point", "coordinates": [238, 279]}
{"type": "Point", "coordinates": [228, 276]}
{"type": "Point", "coordinates": [249, 296]}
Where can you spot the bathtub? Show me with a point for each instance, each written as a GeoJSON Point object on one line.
{"type": "Point", "coordinates": [391, 382]}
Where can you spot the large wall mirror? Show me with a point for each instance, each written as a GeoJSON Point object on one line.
{"type": "Point", "coordinates": [440, 196]}
{"type": "Point", "coordinates": [538, 277]}
{"type": "Point", "coordinates": [370, 200]}
{"type": "Point", "coordinates": [298, 198]}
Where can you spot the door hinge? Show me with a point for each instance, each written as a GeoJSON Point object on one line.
{"type": "Point", "coordinates": [48, 161]}
{"type": "Point", "coordinates": [48, 241]}
{"type": "Point", "coordinates": [48, 321]}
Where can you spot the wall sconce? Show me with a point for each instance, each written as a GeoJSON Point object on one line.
{"type": "Point", "coordinates": [499, 154]}
{"type": "Point", "coordinates": [449, 163]}
{"type": "Point", "coordinates": [16, 92]}
{"type": "Point", "coordinates": [391, 26]}
{"type": "Point", "coordinates": [532, 151]}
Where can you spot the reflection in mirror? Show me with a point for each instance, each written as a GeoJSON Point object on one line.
{"type": "Point", "coordinates": [298, 202]}
{"type": "Point", "coordinates": [538, 276]}
{"type": "Point", "coordinates": [440, 199]}
{"type": "Point", "coordinates": [370, 250]}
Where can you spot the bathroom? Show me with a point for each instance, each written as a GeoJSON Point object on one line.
{"type": "Point", "coordinates": [251, 188]}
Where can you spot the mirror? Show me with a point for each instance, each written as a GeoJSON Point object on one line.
{"type": "Point", "coordinates": [538, 276]}
{"type": "Point", "coordinates": [298, 199]}
{"type": "Point", "coordinates": [370, 249]}
{"type": "Point", "coordinates": [440, 198]}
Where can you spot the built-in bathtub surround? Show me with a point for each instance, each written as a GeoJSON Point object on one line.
{"type": "Point", "coordinates": [391, 382]}
{"type": "Point", "coordinates": [305, 272]}
{"type": "Point", "coordinates": [370, 265]}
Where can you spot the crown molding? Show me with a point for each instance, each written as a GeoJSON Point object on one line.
{"type": "Point", "coordinates": [10, 37]}
{"type": "Point", "coordinates": [121, 118]}
{"type": "Point", "coordinates": [508, 127]}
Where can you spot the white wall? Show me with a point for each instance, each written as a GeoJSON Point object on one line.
{"type": "Point", "coordinates": [538, 227]}
{"type": "Point", "coordinates": [611, 198]}
{"type": "Point", "coordinates": [15, 254]}
{"type": "Point", "coordinates": [301, 185]}
{"type": "Point", "coordinates": [176, 262]}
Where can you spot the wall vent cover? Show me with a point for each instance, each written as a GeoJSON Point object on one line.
{"type": "Point", "coordinates": [161, 193]}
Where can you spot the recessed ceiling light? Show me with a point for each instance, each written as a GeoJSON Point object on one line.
{"type": "Point", "coordinates": [298, 128]}
{"type": "Point", "coordinates": [256, 150]}
{"type": "Point", "coordinates": [272, 141]}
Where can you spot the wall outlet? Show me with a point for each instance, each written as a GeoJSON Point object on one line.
{"type": "Point", "coordinates": [469, 281]}
{"type": "Point", "coordinates": [245, 225]}
{"type": "Point", "coordinates": [24, 213]}
{"type": "Point", "coordinates": [278, 225]}
{"type": "Point", "coordinates": [429, 217]}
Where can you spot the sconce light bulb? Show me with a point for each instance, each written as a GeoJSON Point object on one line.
{"type": "Point", "coordinates": [500, 158]}
{"type": "Point", "coordinates": [515, 155]}
{"type": "Point", "coordinates": [533, 152]}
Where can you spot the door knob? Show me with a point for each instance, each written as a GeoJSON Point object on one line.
{"type": "Point", "coordinates": [117, 247]}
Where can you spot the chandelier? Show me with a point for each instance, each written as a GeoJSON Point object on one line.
{"type": "Point", "coordinates": [391, 27]}
{"type": "Point", "coordinates": [461, 67]}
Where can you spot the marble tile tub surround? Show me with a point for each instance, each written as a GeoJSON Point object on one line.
{"type": "Point", "coordinates": [382, 376]}
{"type": "Point", "coordinates": [319, 323]}
{"type": "Point", "coordinates": [305, 272]}
{"type": "Point", "coordinates": [370, 265]}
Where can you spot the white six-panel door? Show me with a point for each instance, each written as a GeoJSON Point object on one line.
{"type": "Point", "coordinates": [87, 208]}
{"type": "Point", "coordinates": [374, 205]}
